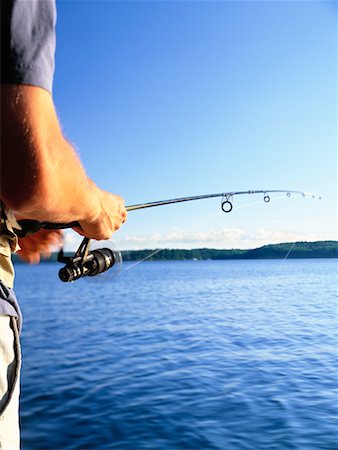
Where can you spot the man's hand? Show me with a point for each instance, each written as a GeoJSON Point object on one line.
{"type": "Point", "coordinates": [111, 215]}
{"type": "Point", "coordinates": [39, 245]}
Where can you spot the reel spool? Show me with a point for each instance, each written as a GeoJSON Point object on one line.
{"type": "Point", "coordinates": [113, 270]}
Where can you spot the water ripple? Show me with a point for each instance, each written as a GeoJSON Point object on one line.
{"type": "Point", "coordinates": [217, 355]}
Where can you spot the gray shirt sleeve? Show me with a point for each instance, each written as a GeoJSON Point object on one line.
{"type": "Point", "coordinates": [28, 42]}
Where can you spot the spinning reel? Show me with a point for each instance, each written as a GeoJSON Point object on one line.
{"type": "Point", "coordinates": [86, 262]}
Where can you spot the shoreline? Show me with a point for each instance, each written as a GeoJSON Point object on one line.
{"type": "Point", "coordinates": [289, 250]}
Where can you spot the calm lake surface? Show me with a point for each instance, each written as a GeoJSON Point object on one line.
{"type": "Point", "coordinates": [181, 355]}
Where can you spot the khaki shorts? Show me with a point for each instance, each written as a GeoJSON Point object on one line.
{"type": "Point", "coordinates": [10, 364]}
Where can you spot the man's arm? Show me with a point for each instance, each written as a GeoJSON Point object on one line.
{"type": "Point", "coordinates": [41, 176]}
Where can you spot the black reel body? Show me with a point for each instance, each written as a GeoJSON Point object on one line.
{"type": "Point", "coordinates": [86, 263]}
{"type": "Point", "coordinates": [97, 261]}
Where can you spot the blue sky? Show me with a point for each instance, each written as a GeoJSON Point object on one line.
{"type": "Point", "coordinates": [167, 99]}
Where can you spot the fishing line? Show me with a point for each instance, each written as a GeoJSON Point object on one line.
{"type": "Point", "coordinates": [292, 246]}
{"type": "Point", "coordinates": [216, 215]}
{"type": "Point", "coordinates": [141, 261]}
{"type": "Point", "coordinates": [290, 250]}
{"type": "Point", "coordinates": [248, 205]}
{"type": "Point", "coordinates": [201, 222]}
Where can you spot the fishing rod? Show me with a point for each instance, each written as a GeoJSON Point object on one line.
{"type": "Point", "coordinates": [29, 226]}
{"type": "Point", "coordinates": [87, 262]}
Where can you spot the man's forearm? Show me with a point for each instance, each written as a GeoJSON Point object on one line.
{"type": "Point", "coordinates": [41, 175]}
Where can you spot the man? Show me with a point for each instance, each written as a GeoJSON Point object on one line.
{"type": "Point", "coordinates": [41, 176]}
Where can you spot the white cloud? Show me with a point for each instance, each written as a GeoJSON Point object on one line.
{"type": "Point", "coordinates": [273, 236]}
{"type": "Point", "coordinates": [180, 236]}
{"type": "Point", "coordinates": [218, 238]}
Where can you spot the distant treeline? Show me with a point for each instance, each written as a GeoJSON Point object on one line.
{"type": "Point", "coordinates": [320, 249]}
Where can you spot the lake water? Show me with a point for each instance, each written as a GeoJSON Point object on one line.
{"type": "Point", "coordinates": [181, 355]}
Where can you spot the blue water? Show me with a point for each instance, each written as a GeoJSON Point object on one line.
{"type": "Point", "coordinates": [181, 355]}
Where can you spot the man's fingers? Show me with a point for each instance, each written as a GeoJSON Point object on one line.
{"type": "Point", "coordinates": [39, 244]}
{"type": "Point", "coordinates": [113, 215]}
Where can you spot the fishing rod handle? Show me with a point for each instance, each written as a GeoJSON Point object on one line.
{"type": "Point", "coordinates": [29, 226]}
